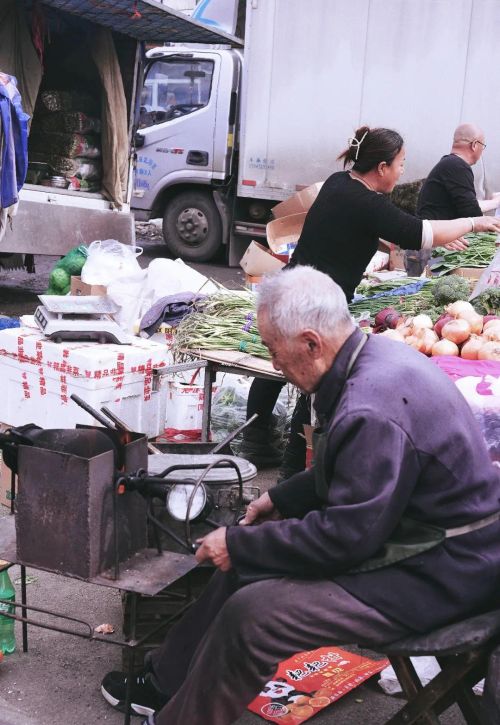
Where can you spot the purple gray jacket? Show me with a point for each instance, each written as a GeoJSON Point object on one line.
{"type": "Point", "coordinates": [401, 441]}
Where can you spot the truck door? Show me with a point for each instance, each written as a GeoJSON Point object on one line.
{"type": "Point", "coordinates": [176, 121]}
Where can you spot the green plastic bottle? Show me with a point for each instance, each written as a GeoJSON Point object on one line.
{"type": "Point", "coordinates": [7, 632]}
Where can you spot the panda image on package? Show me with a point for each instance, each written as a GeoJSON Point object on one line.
{"type": "Point", "coordinates": [280, 691]}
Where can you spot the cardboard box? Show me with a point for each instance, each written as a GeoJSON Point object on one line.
{"type": "Point", "coordinates": [396, 259]}
{"type": "Point", "coordinates": [285, 231]}
{"type": "Point", "coordinates": [81, 289]}
{"type": "Point", "coordinates": [252, 281]}
{"type": "Point", "coordinates": [299, 202]}
{"type": "Point", "coordinates": [259, 260]}
{"type": "Point", "coordinates": [5, 485]}
{"type": "Point", "coordinates": [377, 263]}
{"type": "Point", "coordinates": [469, 272]}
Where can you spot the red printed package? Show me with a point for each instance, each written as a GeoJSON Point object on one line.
{"type": "Point", "coordinates": [310, 681]}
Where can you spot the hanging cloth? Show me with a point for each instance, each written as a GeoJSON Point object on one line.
{"type": "Point", "coordinates": [14, 141]}
{"type": "Point", "coordinates": [18, 57]}
{"type": "Point", "coordinates": [13, 148]}
{"type": "Point", "coordinates": [114, 136]}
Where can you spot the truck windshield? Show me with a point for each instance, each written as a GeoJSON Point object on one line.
{"type": "Point", "coordinates": [173, 88]}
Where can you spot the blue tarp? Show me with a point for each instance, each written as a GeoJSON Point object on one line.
{"type": "Point", "coordinates": [145, 20]}
{"type": "Point", "coordinates": [407, 289]}
{"type": "Point", "coordinates": [14, 131]}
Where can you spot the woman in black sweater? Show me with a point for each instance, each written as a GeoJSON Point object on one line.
{"type": "Point", "coordinates": [341, 233]}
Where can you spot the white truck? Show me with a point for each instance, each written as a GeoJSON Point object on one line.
{"type": "Point", "coordinates": [60, 46]}
{"type": "Point", "coordinates": [224, 134]}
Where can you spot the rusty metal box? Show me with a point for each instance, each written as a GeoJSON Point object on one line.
{"type": "Point", "coordinates": [64, 519]}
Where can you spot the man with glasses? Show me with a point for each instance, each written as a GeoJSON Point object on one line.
{"type": "Point", "coordinates": [448, 192]}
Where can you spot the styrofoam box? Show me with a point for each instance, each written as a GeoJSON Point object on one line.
{"type": "Point", "coordinates": [38, 376]}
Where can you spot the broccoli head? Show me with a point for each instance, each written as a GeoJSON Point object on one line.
{"type": "Point", "coordinates": [450, 288]}
{"type": "Point", "coordinates": [488, 302]}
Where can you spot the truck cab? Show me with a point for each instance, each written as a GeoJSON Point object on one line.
{"type": "Point", "coordinates": [185, 153]}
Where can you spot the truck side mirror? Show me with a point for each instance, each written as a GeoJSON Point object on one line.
{"type": "Point", "coordinates": [138, 140]}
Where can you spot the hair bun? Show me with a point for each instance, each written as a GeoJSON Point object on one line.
{"type": "Point", "coordinates": [369, 146]}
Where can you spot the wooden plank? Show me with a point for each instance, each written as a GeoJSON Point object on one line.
{"type": "Point", "coordinates": [237, 359]}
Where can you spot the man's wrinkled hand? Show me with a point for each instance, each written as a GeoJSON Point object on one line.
{"type": "Point", "coordinates": [458, 245]}
{"type": "Point", "coordinates": [213, 548]}
{"type": "Point", "coordinates": [487, 224]}
{"type": "Point", "coordinates": [262, 509]}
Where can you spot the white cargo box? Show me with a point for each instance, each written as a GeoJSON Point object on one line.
{"type": "Point", "coordinates": [38, 377]}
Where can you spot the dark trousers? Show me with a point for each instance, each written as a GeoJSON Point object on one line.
{"type": "Point", "coordinates": [262, 398]}
{"type": "Point", "coordinates": [227, 646]}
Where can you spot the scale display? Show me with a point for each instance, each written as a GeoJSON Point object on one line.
{"type": "Point", "coordinates": [81, 305]}
{"type": "Point", "coordinates": [84, 319]}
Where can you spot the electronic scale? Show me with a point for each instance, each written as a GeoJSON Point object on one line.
{"type": "Point", "coordinates": [82, 318]}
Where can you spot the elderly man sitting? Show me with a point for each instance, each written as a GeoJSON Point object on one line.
{"type": "Point", "coordinates": [392, 532]}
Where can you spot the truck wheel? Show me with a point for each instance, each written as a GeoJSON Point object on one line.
{"type": "Point", "coordinates": [192, 227]}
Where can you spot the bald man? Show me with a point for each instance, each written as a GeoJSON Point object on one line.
{"type": "Point", "coordinates": [448, 192]}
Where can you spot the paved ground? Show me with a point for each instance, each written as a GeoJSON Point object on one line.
{"type": "Point", "coordinates": [57, 681]}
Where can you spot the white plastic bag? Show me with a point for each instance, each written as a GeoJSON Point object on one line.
{"type": "Point", "coordinates": [127, 292]}
{"type": "Point", "coordinates": [168, 277]}
{"type": "Point", "coordinates": [426, 668]}
{"type": "Point", "coordinates": [110, 260]}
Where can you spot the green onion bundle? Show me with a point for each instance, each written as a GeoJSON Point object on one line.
{"type": "Point", "coordinates": [222, 321]}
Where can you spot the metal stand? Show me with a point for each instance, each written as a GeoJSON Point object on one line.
{"type": "Point", "coordinates": [132, 643]}
{"type": "Point", "coordinates": [12, 491]}
{"type": "Point", "coordinates": [146, 573]}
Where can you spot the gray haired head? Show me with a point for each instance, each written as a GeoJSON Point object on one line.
{"type": "Point", "coordinates": [302, 298]}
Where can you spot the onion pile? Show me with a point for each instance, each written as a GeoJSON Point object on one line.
{"type": "Point", "coordinates": [460, 331]}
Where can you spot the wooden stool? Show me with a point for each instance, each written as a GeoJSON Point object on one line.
{"type": "Point", "coordinates": [463, 652]}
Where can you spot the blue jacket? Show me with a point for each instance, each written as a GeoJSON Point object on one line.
{"type": "Point", "coordinates": [14, 131]}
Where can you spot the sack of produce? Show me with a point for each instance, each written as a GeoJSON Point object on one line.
{"type": "Point", "coordinates": [69, 122]}
{"type": "Point", "coordinates": [66, 144]}
{"type": "Point", "coordinates": [71, 264]}
{"type": "Point", "coordinates": [89, 169]}
{"type": "Point", "coordinates": [68, 101]}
